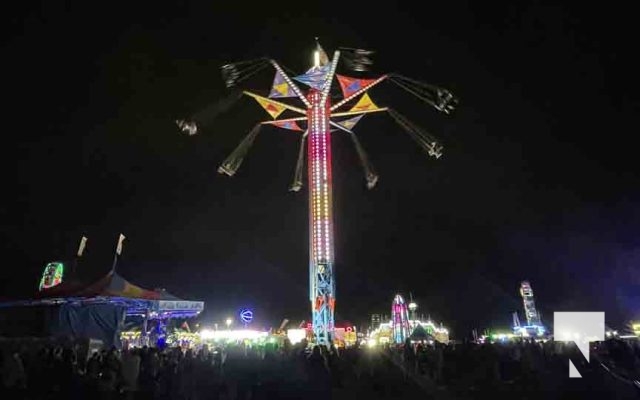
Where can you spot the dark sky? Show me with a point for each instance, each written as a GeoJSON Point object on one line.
{"type": "Point", "coordinates": [539, 179]}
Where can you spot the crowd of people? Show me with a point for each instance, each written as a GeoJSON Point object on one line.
{"type": "Point", "coordinates": [239, 371]}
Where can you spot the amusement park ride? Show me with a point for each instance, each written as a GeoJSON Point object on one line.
{"type": "Point", "coordinates": [405, 325]}
{"type": "Point", "coordinates": [534, 325]}
{"type": "Point", "coordinates": [315, 120]}
{"type": "Point", "coordinates": [533, 329]}
{"type": "Point", "coordinates": [400, 320]}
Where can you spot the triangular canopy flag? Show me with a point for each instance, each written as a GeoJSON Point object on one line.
{"type": "Point", "coordinates": [315, 77]}
{"type": "Point", "coordinates": [280, 87]}
{"type": "Point", "coordinates": [293, 125]}
{"type": "Point", "coordinates": [351, 85]}
{"type": "Point", "coordinates": [351, 122]}
{"type": "Point", "coordinates": [274, 109]}
{"type": "Point", "coordinates": [364, 104]}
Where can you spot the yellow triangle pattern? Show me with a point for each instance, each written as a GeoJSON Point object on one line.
{"type": "Point", "coordinates": [364, 104]}
{"type": "Point", "coordinates": [282, 88]}
{"type": "Point", "coordinates": [274, 109]}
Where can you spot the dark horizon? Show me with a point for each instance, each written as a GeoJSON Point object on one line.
{"type": "Point", "coordinates": [538, 181]}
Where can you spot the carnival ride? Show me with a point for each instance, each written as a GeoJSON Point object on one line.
{"type": "Point", "coordinates": [405, 325]}
{"type": "Point", "coordinates": [534, 325]}
{"type": "Point", "coordinates": [400, 320]}
{"type": "Point", "coordinates": [315, 121]}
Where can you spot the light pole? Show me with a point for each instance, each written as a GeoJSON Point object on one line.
{"type": "Point", "coordinates": [228, 322]}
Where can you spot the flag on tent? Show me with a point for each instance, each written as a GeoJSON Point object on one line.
{"type": "Point", "coordinates": [280, 87]}
{"type": "Point", "coordinates": [274, 109]}
{"type": "Point", "coordinates": [119, 247]}
{"type": "Point", "coordinates": [83, 244]}
{"type": "Point", "coordinates": [315, 77]}
{"type": "Point", "coordinates": [351, 85]}
{"type": "Point", "coordinates": [293, 125]}
{"type": "Point", "coordinates": [351, 122]}
{"type": "Point", "coordinates": [364, 104]}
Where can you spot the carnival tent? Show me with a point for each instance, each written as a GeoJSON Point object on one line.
{"type": "Point", "coordinates": [114, 289]}
{"type": "Point", "coordinates": [97, 310]}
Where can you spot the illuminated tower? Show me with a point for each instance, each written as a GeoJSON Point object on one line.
{"type": "Point", "coordinates": [399, 320]}
{"type": "Point", "coordinates": [314, 122]}
{"type": "Point", "coordinates": [321, 281]}
{"type": "Point", "coordinates": [533, 318]}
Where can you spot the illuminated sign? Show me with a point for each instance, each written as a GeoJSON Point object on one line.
{"type": "Point", "coordinates": [246, 315]}
{"type": "Point", "coordinates": [52, 275]}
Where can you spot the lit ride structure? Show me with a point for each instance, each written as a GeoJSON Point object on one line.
{"type": "Point", "coordinates": [315, 120]}
{"type": "Point", "coordinates": [400, 320]}
{"type": "Point", "coordinates": [534, 325]}
{"type": "Point", "coordinates": [403, 326]}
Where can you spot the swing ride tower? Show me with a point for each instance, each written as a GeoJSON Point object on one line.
{"type": "Point", "coordinates": [315, 124]}
{"type": "Point", "coordinates": [321, 278]}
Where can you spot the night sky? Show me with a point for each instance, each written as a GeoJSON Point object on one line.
{"type": "Point", "coordinates": [539, 179]}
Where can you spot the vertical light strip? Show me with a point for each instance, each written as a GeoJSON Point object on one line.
{"type": "Point", "coordinates": [327, 85]}
{"type": "Point", "coordinates": [320, 219]}
{"type": "Point", "coordinates": [320, 174]}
